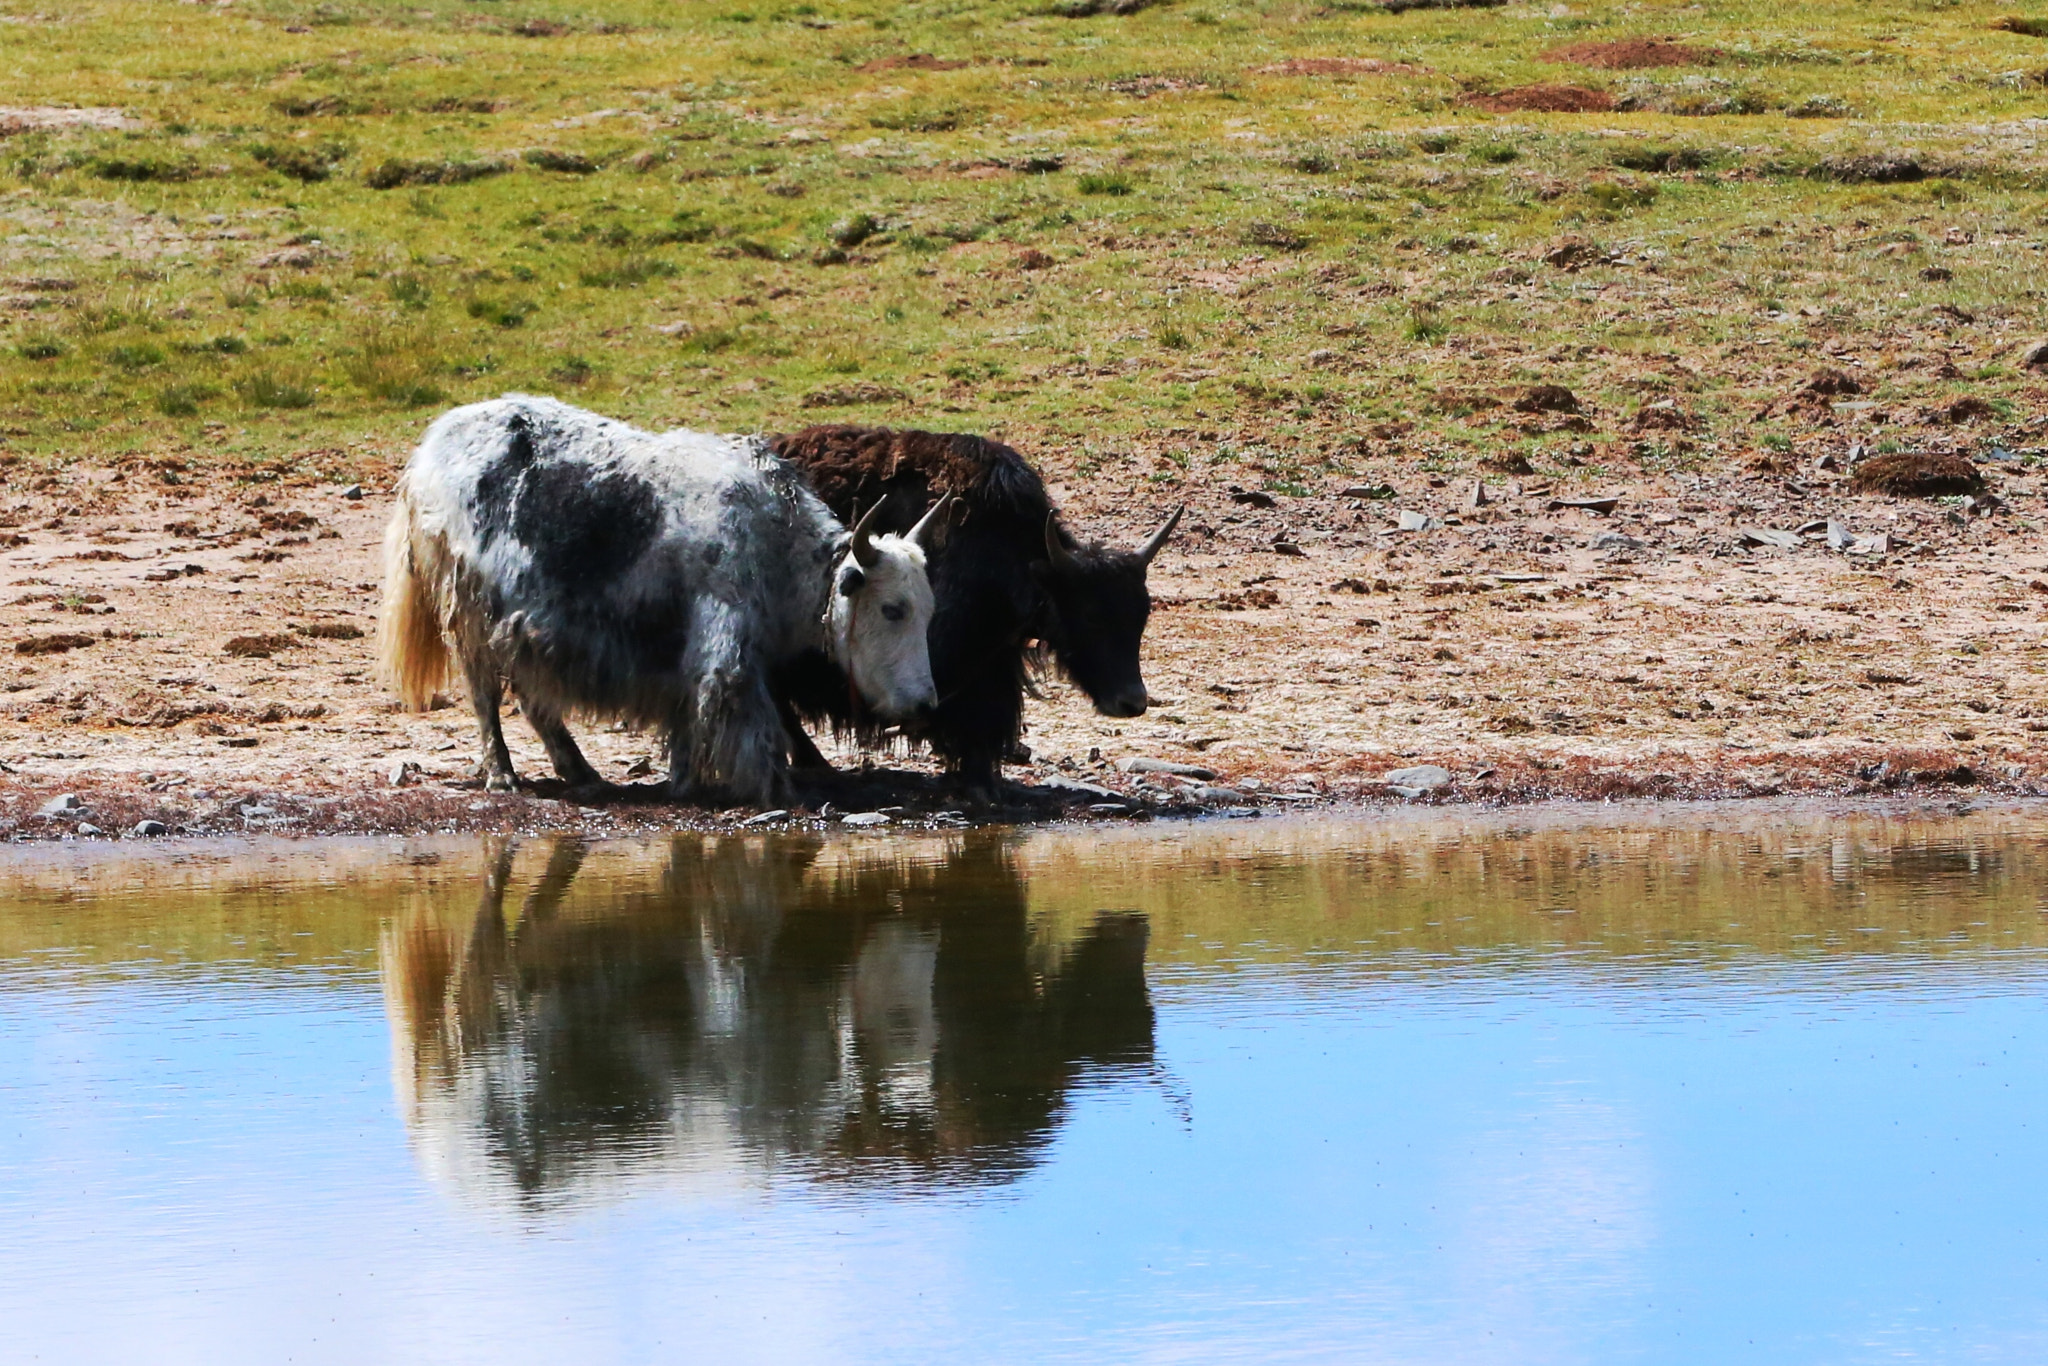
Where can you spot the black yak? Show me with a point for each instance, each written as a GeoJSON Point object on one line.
{"type": "Point", "coordinates": [665, 578]}
{"type": "Point", "coordinates": [1010, 576]}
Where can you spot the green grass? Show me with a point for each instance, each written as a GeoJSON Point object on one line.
{"type": "Point", "coordinates": [486, 196]}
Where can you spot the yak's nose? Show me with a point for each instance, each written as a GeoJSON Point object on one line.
{"type": "Point", "coordinates": [1130, 702]}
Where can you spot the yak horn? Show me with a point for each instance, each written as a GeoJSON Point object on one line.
{"type": "Point", "coordinates": [930, 531]}
{"type": "Point", "coordinates": [1056, 550]}
{"type": "Point", "coordinates": [863, 543]}
{"type": "Point", "coordinates": [1158, 541]}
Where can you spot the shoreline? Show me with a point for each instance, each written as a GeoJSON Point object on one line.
{"type": "Point", "coordinates": [112, 809]}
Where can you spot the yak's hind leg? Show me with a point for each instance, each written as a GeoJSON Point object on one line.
{"type": "Point", "coordinates": [486, 693]}
{"type": "Point", "coordinates": [570, 765]}
{"type": "Point", "coordinates": [803, 751]}
{"type": "Point", "coordinates": [728, 742]}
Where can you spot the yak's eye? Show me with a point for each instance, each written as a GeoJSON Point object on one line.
{"type": "Point", "coordinates": [893, 611]}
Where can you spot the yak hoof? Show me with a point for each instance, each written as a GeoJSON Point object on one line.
{"type": "Point", "coordinates": [500, 782]}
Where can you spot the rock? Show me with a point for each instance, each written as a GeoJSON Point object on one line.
{"type": "Point", "coordinates": [1982, 505]}
{"type": "Point", "coordinates": [1375, 492]}
{"type": "Point", "coordinates": [1768, 536]}
{"type": "Point", "coordinates": [640, 767]}
{"type": "Point", "coordinates": [59, 806]}
{"type": "Point", "coordinates": [1411, 520]}
{"type": "Point", "coordinates": [149, 830]}
{"type": "Point", "coordinates": [765, 818]}
{"type": "Point", "coordinates": [1288, 548]}
{"type": "Point", "coordinates": [1060, 784]}
{"type": "Point", "coordinates": [402, 774]}
{"type": "Point", "coordinates": [354, 493]}
{"type": "Point", "coordinates": [1602, 506]}
{"type": "Point", "coordinates": [1252, 498]}
{"type": "Point", "coordinates": [864, 819]}
{"type": "Point", "coordinates": [1880, 544]}
{"type": "Point", "coordinates": [1839, 537]}
{"type": "Point", "coordinates": [1475, 497]}
{"type": "Point", "coordinates": [2035, 357]}
{"type": "Point", "coordinates": [1422, 777]}
{"type": "Point", "coordinates": [1210, 795]}
{"type": "Point", "coordinates": [1142, 765]}
{"type": "Point", "coordinates": [1615, 540]}
{"type": "Point", "coordinates": [88, 828]}
{"type": "Point", "coordinates": [1110, 809]}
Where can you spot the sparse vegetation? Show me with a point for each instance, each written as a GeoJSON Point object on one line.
{"type": "Point", "coordinates": [323, 226]}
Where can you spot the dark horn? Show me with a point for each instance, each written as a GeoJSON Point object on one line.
{"type": "Point", "coordinates": [863, 543]}
{"type": "Point", "coordinates": [1056, 550]}
{"type": "Point", "coordinates": [1158, 541]}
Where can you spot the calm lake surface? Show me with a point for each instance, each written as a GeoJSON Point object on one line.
{"type": "Point", "coordinates": [1755, 1084]}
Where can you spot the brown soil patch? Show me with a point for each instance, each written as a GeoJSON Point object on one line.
{"type": "Point", "coordinates": [36, 118]}
{"type": "Point", "coordinates": [1541, 99]}
{"type": "Point", "coordinates": [1519, 642]}
{"type": "Point", "coordinates": [1632, 54]}
{"type": "Point", "coordinates": [916, 61]}
{"type": "Point", "coordinates": [1916, 475]}
{"type": "Point", "coordinates": [1342, 66]}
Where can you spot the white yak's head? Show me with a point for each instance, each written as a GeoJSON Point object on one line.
{"type": "Point", "coordinates": [881, 608]}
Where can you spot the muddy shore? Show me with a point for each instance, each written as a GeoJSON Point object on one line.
{"type": "Point", "coordinates": [193, 648]}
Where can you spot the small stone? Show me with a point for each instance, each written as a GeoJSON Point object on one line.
{"type": "Point", "coordinates": [403, 773]}
{"type": "Point", "coordinates": [640, 767]}
{"type": "Point", "coordinates": [1411, 520]}
{"type": "Point", "coordinates": [59, 806]}
{"type": "Point", "coordinates": [1375, 492]}
{"type": "Point", "coordinates": [1602, 506]}
{"type": "Point", "coordinates": [354, 493]}
{"type": "Point", "coordinates": [766, 818]}
{"type": "Point", "coordinates": [1839, 537]}
{"type": "Point", "coordinates": [88, 828]}
{"type": "Point", "coordinates": [1615, 540]}
{"type": "Point", "coordinates": [1060, 784]}
{"type": "Point", "coordinates": [1768, 536]}
{"type": "Point", "coordinates": [149, 830]}
{"type": "Point", "coordinates": [1109, 809]}
{"type": "Point", "coordinates": [1210, 795]}
{"type": "Point", "coordinates": [1476, 497]}
{"type": "Point", "coordinates": [862, 819]}
{"type": "Point", "coordinates": [1422, 777]}
{"type": "Point", "coordinates": [2035, 357]}
{"type": "Point", "coordinates": [1142, 765]}
{"type": "Point", "coordinates": [1880, 544]}
{"type": "Point", "coordinates": [1288, 548]}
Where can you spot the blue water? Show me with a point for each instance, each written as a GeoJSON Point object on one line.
{"type": "Point", "coordinates": [1777, 1159]}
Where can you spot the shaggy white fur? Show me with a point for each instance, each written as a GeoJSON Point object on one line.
{"type": "Point", "coordinates": [662, 578]}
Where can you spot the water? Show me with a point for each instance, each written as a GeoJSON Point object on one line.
{"type": "Point", "coordinates": [1761, 1085]}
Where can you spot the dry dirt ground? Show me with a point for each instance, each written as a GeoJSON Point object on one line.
{"type": "Point", "coordinates": [219, 672]}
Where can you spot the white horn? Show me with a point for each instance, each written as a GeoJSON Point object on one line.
{"type": "Point", "coordinates": [863, 543]}
{"type": "Point", "coordinates": [1158, 541]}
{"type": "Point", "coordinates": [930, 531]}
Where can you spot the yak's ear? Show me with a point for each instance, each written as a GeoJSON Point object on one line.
{"type": "Point", "coordinates": [851, 580]}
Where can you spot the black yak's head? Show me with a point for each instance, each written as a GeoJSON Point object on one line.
{"type": "Point", "coordinates": [1100, 606]}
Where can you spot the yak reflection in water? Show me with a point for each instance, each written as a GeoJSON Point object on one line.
{"type": "Point", "coordinates": [838, 1008]}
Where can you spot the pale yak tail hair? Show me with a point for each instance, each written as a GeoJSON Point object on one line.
{"type": "Point", "coordinates": [412, 654]}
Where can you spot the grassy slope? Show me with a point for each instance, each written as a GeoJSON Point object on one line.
{"type": "Point", "coordinates": [1248, 270]}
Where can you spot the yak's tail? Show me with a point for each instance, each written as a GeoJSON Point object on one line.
{"type": "Point", "coordinates": [411, 651]}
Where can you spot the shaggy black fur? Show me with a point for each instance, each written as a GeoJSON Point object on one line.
{"type": "Point", "coordinates": [996, 589]}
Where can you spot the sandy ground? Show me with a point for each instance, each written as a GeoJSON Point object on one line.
{"type": "Point", "coordinates": [220, 673]}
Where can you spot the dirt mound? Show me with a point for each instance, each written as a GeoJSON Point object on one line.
{"type": "Point", "coordinates": [1632, 54]}
{"type": "Point", "coordinates": [1342, 66]}
{"type": "Point", "coordinates": [916, 61]}
{"type": "Point", "coordinates": [1829, 383]}
{"type": "Point", "coordinates": [1873, 168]}
{"type": "Point", "coordinates": [1541, 99]}
{"type": "Point", "coordinates": [1916, 475]}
